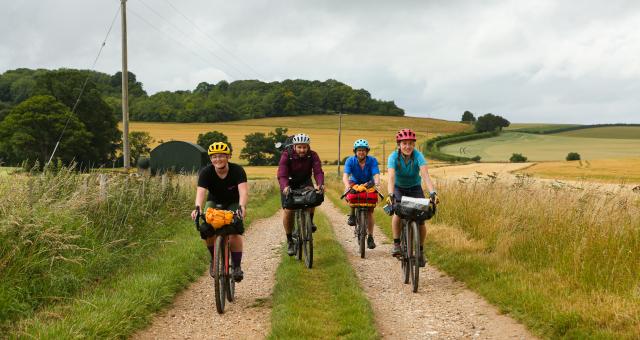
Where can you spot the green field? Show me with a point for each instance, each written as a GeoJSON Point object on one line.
{"type": "Point", "coordinates": [537, 126]}
{"type": "Point", "coordinates": [614, 132]}
{"type": "Point", "coordinates": [544, 147]}
{"type": "Point", "coordinates": [323, 130]}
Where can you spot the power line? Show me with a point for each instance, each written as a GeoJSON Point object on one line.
{"type": "Point", "coordinates": [215, 41]}
{"type": "Point", "coordinates": [176, 40]}
{"type": "Point", "coordinates": [84, 85]}
{"type": "Point", "coordinates": [192, 40]}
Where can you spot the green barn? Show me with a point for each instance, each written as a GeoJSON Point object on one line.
{"type": "Point", "coordinates": [177, 157]}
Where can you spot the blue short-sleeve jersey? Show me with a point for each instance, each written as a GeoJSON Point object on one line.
{"type": "Point", "coordinates": [359, 175]}
{"type": "Point", "coordinates": [407, 172]}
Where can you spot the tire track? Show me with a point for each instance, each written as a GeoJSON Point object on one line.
{"type": "Point", "coordinates": [442, 308]}
{"type": "Point", "coordinates": [193, 313]}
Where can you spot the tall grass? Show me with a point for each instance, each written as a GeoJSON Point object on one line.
{"type": "Point", "coordinates": [59, 232]}
{"type": "Point", "coordinates": [564, 260]}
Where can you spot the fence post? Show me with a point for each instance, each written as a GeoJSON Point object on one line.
{"type": "Point", "coordinates": [103, 187]}
{"type": "Point", "coordinates": [164, 182]}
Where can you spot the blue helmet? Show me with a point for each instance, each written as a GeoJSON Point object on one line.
{"type": "Point", "coordinates": [361, 143]}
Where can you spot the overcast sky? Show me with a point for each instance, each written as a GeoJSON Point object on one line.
{"type": "Point", "coordinates": [529, 61]}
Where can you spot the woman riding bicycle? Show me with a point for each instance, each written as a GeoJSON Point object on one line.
{"type": "Point", "coordinates": [407, 169]}
{"type": "Point", "coordinates": [361, 169]}
{"type": "Point", "coordinates": [227, 186]}
{"type": "Point", "coordinates": [296, 166]}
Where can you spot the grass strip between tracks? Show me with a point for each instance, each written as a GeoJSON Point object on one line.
{"type": "Point", "coordinates": [126, 302]}
{"type": "Point", "coordinates": [323, 302]}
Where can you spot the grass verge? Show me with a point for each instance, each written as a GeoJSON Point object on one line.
{"type": "Point", "coordinates": [125, 301]}
{"type": "Point", "coordinates": [323, 302]}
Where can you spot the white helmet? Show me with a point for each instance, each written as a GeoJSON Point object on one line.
{"type": "Point", "coordinates": [301, 138]}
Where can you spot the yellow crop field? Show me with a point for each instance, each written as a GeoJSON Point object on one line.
{"type": "Point", "coordinates": [601, 170]}
{"type": "Point", "coordinates": [323, 130]}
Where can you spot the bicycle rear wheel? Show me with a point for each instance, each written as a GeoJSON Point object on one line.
{"type": "Point", "coordinates": [308, 240]}
{"type": "Point", "coordinates": [415, 278]}
{"type": "Point", "coordinates": [362, 230]}
{"type": "Point", "coordinates": [404, 258]}
{"type": "Point", "coordinates": [230, 283]}
{"type": "Point", "coordinates": [218, 275]}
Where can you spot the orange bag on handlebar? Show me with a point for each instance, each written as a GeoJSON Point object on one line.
{"type": "Point", "coordinates": [218, 218]}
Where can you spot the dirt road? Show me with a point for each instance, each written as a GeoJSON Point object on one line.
{"type": "Point", "coordinates": [442, 308]}
{"type": "Point", "coordinates": [193, 314]}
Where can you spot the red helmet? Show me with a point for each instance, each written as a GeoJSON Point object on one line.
{"type": "Point", "coordinates": [405, 134]}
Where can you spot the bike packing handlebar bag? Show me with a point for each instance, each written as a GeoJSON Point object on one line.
{"type": "Point", "coordinates": [304, 198]}
{"type": "Point", "coordinates": [235, 227]}
{"type": "Point", "coordinates": [359, 198]}
{"type": "Point", "coordinates": [418, 209]}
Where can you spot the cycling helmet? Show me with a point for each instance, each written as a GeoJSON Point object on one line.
{"type": "Point", "coordinates": [219, 147]}
{"type": "Point", "coordinates": [301, 138]}
{"type": "Point", "coordinates": [405, 134]}
{"type": "Point", "coordinates": [361, 143]}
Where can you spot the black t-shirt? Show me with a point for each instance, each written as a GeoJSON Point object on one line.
{"type": "Point", "coordinates": [222, 191]}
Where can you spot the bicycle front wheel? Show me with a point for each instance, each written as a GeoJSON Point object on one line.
{"type": "Point", "coordinates": [219, 279]}
{"type": "Point", "coordinates": [404, 251]}
{"type": "Point", "coordinates": [230, 283]}
{"type": "Point", "coordinates": [308, 240]}
{"type": "Point", "coordinates": [415, 278]}
{"type": "Point", "coordinates": [362, 230]}
{"type": "Point", "coordinates": [298, 233]}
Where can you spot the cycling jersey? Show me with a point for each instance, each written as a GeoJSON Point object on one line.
{"type": "Point", "coordinates": [294, 170]}
{"type": "Point", "coordinates": [407, 172]}
{"type": "Point", "coordinates": [358, 174]}
{"type": "Point", "coordinates": [222, 190]}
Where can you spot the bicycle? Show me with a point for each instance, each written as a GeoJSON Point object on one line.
{"type": "Point", "coordinates": [412, 212]}
{"type": "Point", "coordinates": [302, 229]}
{"type": "Point", "coordinates": [224, 285]}
{"type": "Point", "coordinates": [362, 207]}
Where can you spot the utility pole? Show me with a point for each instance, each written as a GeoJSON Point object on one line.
{"type": "Point", "coordinates": [384, 156]}
{"type": "Point", "coordinates": [125, 88]}
{"type": "Point", "coordinates": [339, 138]}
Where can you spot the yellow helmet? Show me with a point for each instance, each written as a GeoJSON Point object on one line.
{"type": "Point", "coordinates": [219, 147]}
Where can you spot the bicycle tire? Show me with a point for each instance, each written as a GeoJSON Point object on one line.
{"type": "Point", "coordinates": [308, 240]}
{"type": "Point", "coordinates": [231, 284]}
{"type": "Point", "coordinates": [298, 232]}
{"type": "Point", "coordinates": [218, 273]}
{"type": "Point", "coordinates": [404, 259]}
{"type": "Point", "coordinates": [362, 230]}
{"type": "Point", "coordinates": [415, 278]}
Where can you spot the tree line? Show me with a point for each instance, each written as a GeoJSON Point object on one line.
{"type": "Point", "coordinates": [36, 105]}
{"type": "Point", "coordinates": [485, 123]}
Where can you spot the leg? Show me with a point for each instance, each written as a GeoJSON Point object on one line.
{"type": "Point", "coordinates": [371, 244]}
{"type": "Point", "coordinates": [287, 221]}
{"type": "Point", "coordinates": [423, 233]}
{"type": "Point", "coordinates": [235, 243]}
{"type": "Point", "coordinates": [395, 228]}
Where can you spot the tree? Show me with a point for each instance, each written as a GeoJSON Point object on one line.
{"type": "Point", "coordinates": [139, 145]}
{"type": "Point", "coordinates": [490, 122]}
{"type": "Point", "coordinates": [467, 117]}
{"type": "Point", "coordinates": [32, 128]}
{"type": "Point", "coordinates": [573, 156]}
{"type": "Point", "coordinates": [517, 158]}
{"type": "Point", "coordinates": [260, 149]}
{"type": "Point", "coordinates": [204, 140]}
{"type": "Point", "coordinates": [254, 151]}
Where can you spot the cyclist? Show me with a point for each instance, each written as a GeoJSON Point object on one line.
{"type": "Point", "coordinates": [361, 169]}
{"type": "Point", "coordinates": [227, 186]}
{"type": "Point", "coordinates": [407, 169]}
{"type": "Point", "coordinates": [297, 163]}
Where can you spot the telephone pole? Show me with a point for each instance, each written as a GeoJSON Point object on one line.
{"type": "Point", "coordinates": [339, 138]}
{"type": "Point", "coordinates": [125, 88]}
{"type": "Point", "coordinates": [384, 156]}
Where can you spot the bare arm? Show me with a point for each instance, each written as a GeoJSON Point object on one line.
{"type": "Point", "coordinates": [200, 194]}
{"type": "Point", "coordinates": [391, 181]}
{"type": "Point", "coordinates": [243, 190]}
{"type": "Point", "coordinates": [424, 173]}
{"type": "Point", "coordinates": [345, 181]}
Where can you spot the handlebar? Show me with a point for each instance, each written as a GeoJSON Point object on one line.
{"type": "Point", "coordinates": [348, 191]}
{"type": "Point", "coordinates": [199, 215]}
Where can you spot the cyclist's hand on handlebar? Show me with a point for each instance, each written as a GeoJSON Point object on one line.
{"type": "Point", "coordinates": [194, 214]}
{"type": "Point", "coordinates": [320, 188]}
{"type": "Point", "coordinates": [286, 190]}
{"type": "Point", "coordinates": [389, 200]}
{"type": "Point", "coordinates": [434, 197]}
{"type": "Point", "coordinates": [242, 212]}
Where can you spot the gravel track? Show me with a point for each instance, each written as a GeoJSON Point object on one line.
{"type": "Point", "coordinates": [442, 308]}
{"type": "Point", "coordinates": [193, 313]}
